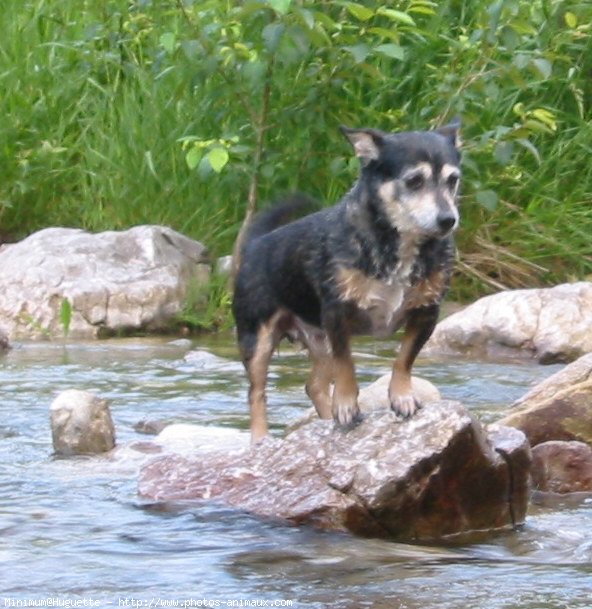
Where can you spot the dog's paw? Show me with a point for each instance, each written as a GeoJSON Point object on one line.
{"type": "Point", "coordinates": [347, 414]}
{"type": "Point", "coordinates": [405, 405]}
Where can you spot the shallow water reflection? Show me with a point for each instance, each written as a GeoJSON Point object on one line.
{"type": "Point", "coordinates": [75, 528]}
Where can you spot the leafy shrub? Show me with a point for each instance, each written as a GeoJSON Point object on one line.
{"type": "Point", "coordinates": [191, 113]}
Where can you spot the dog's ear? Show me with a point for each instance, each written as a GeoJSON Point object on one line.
{"type": "Point", "coordinates": [366, 142]}
{"type": "Point", "coordinates": [452, 132]}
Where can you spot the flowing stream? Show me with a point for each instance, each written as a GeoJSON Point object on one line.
{"type": "Point", "coordinates": [74, 530]}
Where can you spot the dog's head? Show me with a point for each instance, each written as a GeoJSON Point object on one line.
{"type": "Point", "coordinates": [414, 176]}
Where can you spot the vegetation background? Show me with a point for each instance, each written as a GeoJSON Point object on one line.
{"type": "Point", "coordinates": [191, 113]}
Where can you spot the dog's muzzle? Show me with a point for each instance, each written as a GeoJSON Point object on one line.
{"type": "Point", "coordinates": [446, 223]}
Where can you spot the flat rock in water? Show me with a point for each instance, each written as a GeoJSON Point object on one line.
{"type": "Point", "coordinates": [438, 474]}
{"type": "Point", "coordinates": [551, 325]}
{"type": "Point", "coordinates": [562, 467]}
{"type": "Point", "coordinates": [113, 281]}
{"type": "Point", "coordinates": [559, 408]}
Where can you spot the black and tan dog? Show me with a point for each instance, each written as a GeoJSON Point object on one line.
{"type": "Point", "coordinates": [379, 259]}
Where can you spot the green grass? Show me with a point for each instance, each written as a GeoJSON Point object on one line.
{"type": "Point", "coordinates": [98, 97]}
{"type": "Point", "coordinates": [91, 125]}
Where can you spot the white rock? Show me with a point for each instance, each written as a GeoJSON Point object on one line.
{"type": "Point", "coordinates": [81, 424]}
{"type": "Point", "coordinates": [135, 279]}
{"type": "Point", "coordinates": [186, 439]}
{"type": "Point", "coordinates": [551, 324]}
{"type": "Point", "coordinates": [375, 395]}
{"type": "Point", "coordinates": [224, 265]}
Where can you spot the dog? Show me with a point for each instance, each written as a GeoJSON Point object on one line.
{"type": "Point", "coordinates": [378, 260]}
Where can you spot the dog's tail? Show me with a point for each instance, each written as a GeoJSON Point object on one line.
{"type": "Point", "coordinates": [288, 210]}
{"type": "Point", "coordinates": [281, 213]}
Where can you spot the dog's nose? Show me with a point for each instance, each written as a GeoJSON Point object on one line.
{"type": "Point", "coordinates": [446, 222]}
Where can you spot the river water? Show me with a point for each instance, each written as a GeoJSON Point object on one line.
{"type": "Point", "coordinates": [75, 531]}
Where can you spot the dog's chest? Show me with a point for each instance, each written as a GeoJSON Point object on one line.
{"type": "Point", "coordinates": [380, 303]}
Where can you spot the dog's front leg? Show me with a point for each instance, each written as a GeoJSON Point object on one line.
{"type": "Point", "coordinates": [418, 328]}
{"type": "Point", "coordinates": [345, 393]}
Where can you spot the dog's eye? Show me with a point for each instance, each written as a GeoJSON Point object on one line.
{"type": "Point", "coordinates": [452, 181]}
{"type": "Point", "coordinates": [415, 182]}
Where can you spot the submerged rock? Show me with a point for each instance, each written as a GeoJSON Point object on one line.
{"type": "Point", "coordinates": [562, 467]}
{"type": "Point", "coordinates": [112, 281]}
{"type": "Point", "coordinates": [148, 427]}
{"type": "Point", "coordinates": [436, 474]}
{"type": "Point", "coordinates": [559, 408]}
{"type": "Point", "coordinates": [81, 423]}
{"type": "Point", "coordinates": [551, 325]}
{"type": "Point", "coordinates": [206, 361]}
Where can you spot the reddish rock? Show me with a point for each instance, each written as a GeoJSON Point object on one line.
{"type": "Point", "coordinates": [559, 408]}
{"type": "Point", "coordinates": [562, 467]}
{"type": "Point", "coordinates": [439, 473]}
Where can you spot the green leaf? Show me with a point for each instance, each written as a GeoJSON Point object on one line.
{"type": "Point", "coordinates": [359, 51]}
{"type": "Point", "coordinates": [217, 158]}
{"type": "Point", "coordinates": [391, 50]}
{"type": "Point", "coordinates": [423, 8]}
{"type": "Point", "coordinates": [398, 16]}
{"type": "Point", "coordinates": [503, 152]}
{"type": "Point", "coordinates": [193, 157]}
{"type": "Point", "coordinates": [280, 6]}
{"type": "Point", "coordinates": [545, 116]}
{"type": "Point", "coordinates": [254, 71]}
{"type": "Point", "coordinates": [521, 60]}
{"type": "Point", "coordinates": [150, 163]}
{"type": "Point", "coordinates": [536, 126]}
{"type": "Point", "coordinates": [528, 145]}
{"type": "Point", "coordinates": [571, 20]}
{"type": "Point", "coordinates": [272, 35]}
{"type": "Point", "coordinates": [168, 41]}
{"type": "Point", "coordinates": [307, 17]}
{"type": "Point", "coordinates": [359, 11]}
{"type": "Point", "coordinates": [65, 315]}
{"type": "Point", "coordinates": [384, 33]}
{"type": "Point", "coordinates": [543, 66]}
{"type": "Point", "coordinates": [487, 198]}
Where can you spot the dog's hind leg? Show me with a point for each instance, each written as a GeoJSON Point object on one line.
{"type": "Point", "coordinates": [257, 349]}
{"type": "Point", "coordinates": [318, 387]}
{"type": "Point", "coordinates": [418, 328]}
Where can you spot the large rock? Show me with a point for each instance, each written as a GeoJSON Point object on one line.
{"type": "Point", "coordinates": [551, 325]}
{"type": "Point", "coordinates": [81, 424]}
{"type": "Point", "coordinates": [559, 408]}
{"type": "Point", "coordinates": [562, 467]}
{"type": "Point", "coordinates": [113, 281]}
{"type": "Point", "coordinates": [436, 474]}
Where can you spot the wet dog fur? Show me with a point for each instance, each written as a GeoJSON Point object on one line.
{"type": "Point", "coordinates": [378, 260]}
